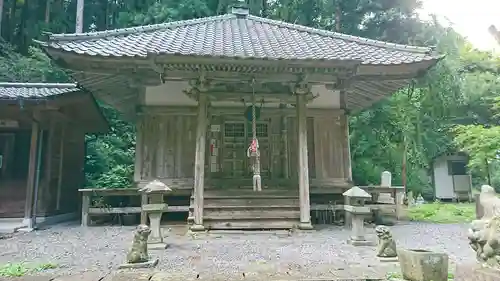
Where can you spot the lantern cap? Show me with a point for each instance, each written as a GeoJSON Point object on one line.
{"type": "Point", "coordinates": [155, 186]}
{"type": "Point", "coordinates": [356, 192]}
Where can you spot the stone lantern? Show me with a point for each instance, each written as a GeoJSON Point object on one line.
{"type": "Point", "coordinates": [155, 207]}
{"type": "Point", "coordinates": [355, 208]}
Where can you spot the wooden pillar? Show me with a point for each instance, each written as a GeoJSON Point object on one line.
{"type": "Point", "coordinates": [347, 149]}
{"type": "Point", "coordinates": [139, 144]}
{"type": "Point", "coordinates": [199, 163]}
{"type": "Point", "coordinates": [60, 172]}
{"type": "Point", "coordinates": [305, 206]}
{"type": "Point", "coordinates": [85, 208]}
{"type": "Point", "coordinates": [28, 208]}
{"type": "Point", "coordinates": [284, 138]}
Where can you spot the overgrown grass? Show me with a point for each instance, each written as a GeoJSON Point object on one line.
{"type": "Point", "coordinates": [20, 269]}
{"type": "Point", "coordinates": [443, 212]}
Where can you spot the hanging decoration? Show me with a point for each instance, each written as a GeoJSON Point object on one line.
{"type": "Point", "coordinates": [253, 150]}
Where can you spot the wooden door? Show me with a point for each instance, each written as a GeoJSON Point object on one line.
{"type": "Point", "coordinates": [237, 137]}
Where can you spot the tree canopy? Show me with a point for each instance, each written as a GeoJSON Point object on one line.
{"type": "Point", "coordinates": [453, 108]}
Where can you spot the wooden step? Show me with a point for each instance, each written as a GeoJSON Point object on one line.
{"type": "Point", "coordinates": [260, 224]}
{"type": "Point", "coordinates": [250, 214]}
{"type": "Point", "coordinates": [250, 193]}
{"type": "Point", "coordinates": [214, 202]}
{"type": "Point", "coordinates": [269, 208]}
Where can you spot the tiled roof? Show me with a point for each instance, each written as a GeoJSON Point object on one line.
{"type": "Point", "coordinates": [236, 36]}
{"type": "Point", "coordinates": [12, 91]}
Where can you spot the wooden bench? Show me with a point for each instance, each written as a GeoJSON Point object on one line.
{"type": "Point", "coordinates": [88, 209]}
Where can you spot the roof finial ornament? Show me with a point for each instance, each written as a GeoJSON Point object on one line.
{"type": "Point", "coordinates": [240, 8]}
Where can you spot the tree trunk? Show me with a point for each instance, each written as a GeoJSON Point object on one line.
{"type": "Point", "coordinates": [338, 16]}
{"type": "Point", "coordinates": [47, 11]}
{"type": "Point", "coordinates": [23, 33]}
{"type": "Point", "coordinates": [403, 164]}
{"type": "Point", "coordinates": [12, 22]}
{"type": "Point", "coordinates": [264, 9]}
{"type": "Point", "coordinates": [1, 14]}
{"type": "Point", "coordinates": [79, 16]}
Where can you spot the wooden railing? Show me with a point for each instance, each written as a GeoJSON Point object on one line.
{"type": "Point", "coordinates": [89, 210]}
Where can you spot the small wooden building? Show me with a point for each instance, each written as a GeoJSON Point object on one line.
{"type": "Point", "coordinates": [42, 149]}
{"type": "Point", "coordinates": [451, 178]}
{"type": "Point", "coordinates": [194, 86]}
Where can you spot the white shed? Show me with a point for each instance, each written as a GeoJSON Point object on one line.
{"type": "Point", "coordinates": [451, 178]}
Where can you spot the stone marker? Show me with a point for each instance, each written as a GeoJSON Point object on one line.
{"type": "Point", "coordinates": [423, 265]}
{"type": "Point", "coordinates": [138, 256]}
{"type": "Point", "coordinates": [386, 179]}
{"type": "Point", "coordinates": [155, 208]}
{"type": "Point", "coordinates": [386, 250]}
{"type": "Point", "coordinates": [355, 207]}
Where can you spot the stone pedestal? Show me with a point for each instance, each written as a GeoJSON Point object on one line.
{"type": "Point", "coordinates": [358, 214]}
{"type": "Point", "coordinates": [475, 272]}
{"type": "Point", "coordinates": [155, 210]}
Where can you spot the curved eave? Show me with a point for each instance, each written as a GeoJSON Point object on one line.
{"type": "Point", "coordinates": [372, 83]}
{"type": "Point", "coordinates": [167, 57]}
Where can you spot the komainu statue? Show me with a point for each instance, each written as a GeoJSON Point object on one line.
{"type": "Point", "coordinates": [484, 234]}
{"type": "Point", "coordinates": [139, 251]}
{"type": "Point", "coordinates": [386, 244]}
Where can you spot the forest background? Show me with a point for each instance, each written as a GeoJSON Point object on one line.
{"type": "Point", "coordinates": [455, 107]}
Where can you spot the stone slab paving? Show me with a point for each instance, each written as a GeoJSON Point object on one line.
{"type": "Point", "coordinates": [78, 250]}
{"type": "Point", "coordinates": [163, 276]}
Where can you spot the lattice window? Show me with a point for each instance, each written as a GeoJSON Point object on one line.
{"type": "Point", "coordinates": [261, 128]}
{"type": "Point", "coordinates": [234, 130]}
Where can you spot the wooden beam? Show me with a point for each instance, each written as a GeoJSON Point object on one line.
{"type": "Point", "coordinates": [236, 110]}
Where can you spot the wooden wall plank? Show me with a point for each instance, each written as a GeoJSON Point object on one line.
{"type": "Point", "coordinates": [167, 143]}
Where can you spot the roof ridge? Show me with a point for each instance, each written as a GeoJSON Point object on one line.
{"type": "Point", "coordinates": [357, 39]}
{"type": "Point", "coordinates": [135, 29]}
{"type": "Point", "coordinates": [37, 85]}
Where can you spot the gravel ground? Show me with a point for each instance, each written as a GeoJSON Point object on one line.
{"type": "Point", "coordinates": [75, 249]}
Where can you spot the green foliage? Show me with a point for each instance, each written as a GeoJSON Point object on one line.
{"type": "Point", "coordinates": [480, 142]}
{"type": "Point", "coordinates": [110, 157]}
{"type": "Point", "coordinates": [443, 213]}
{"type": "Point", "coordinates": [34, 67]}
{"type": "Point", "coordinates": [21, 269]}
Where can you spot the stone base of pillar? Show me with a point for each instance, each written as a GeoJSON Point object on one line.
{"type": "Point", "coordinates": [157, 246]}
{"type": "Point", "coordinates": [361, 242]}
{"type": "Point", "coordinates": [148, 264]}
{"type": "Point", "coordinates": [392, 259]}
{"type": "Point", "coordinates": [305, 226]}
{"type": "Point", "coordinates": [197, 228]}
